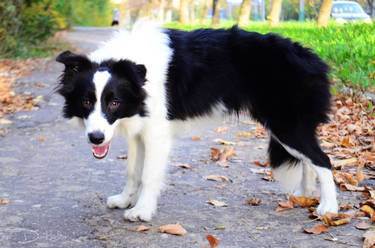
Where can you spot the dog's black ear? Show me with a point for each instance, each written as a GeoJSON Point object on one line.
{"type": "Point", "coordinates": [130, 70]}
{"type": "Point", "coordinates": [74, 62]}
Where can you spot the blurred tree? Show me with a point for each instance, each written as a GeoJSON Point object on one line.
{"type": "Point", "coordinates": [215, 13]}
{"type": "Point", "coordinates": [275, 13]}
{"type": "Point", "coordinates": [168, 13]}
{"type": "Point", "coordinates": [184, 12]}
{"type": "Point", "coordinates": [245, 10]}
{"type": "Point", "coordinates": [161, 12]}
{"type": "Point", "coordinates": [324, 13]}
{"type": "Point", "coordinates": [204, 11]}
{"type": "Point", "coordinates": [192, 11]}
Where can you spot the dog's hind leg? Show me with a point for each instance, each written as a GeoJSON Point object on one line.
{"type": "Point", "coordinates": [129, 195]}
{"type": "Point", "coordinates": [287, 170]}
{"type": "Point", "coordinates": [308, 183]}
{"type": "Point", "coordinates": [302, 144]}
{"type": "Point", "coordinates": [157, 140]}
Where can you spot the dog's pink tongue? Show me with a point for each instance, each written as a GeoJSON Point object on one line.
{"type": "Point", "coordinates": [100, 151]}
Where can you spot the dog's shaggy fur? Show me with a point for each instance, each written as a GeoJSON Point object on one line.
{"type": "Point", "coordinates": [141, 83]}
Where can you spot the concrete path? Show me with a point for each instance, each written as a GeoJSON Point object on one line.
{"type": "Point", "coordinates": [57, 190]}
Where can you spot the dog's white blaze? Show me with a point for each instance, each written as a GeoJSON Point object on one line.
{"type": "Point", "coordinates": [97, 121]}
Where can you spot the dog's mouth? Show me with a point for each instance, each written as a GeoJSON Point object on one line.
{"type": "Point", "coordinates": [100, 152]}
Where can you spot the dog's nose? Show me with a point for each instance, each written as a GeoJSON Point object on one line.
{"type": "Point", "coordinates": [96, 137]}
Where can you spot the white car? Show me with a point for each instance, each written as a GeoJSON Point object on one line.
{"type": "Point", "coordinates": [346, 11]}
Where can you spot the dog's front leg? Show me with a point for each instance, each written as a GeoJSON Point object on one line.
{"type": "Point", "coordinates": [157, 143]}
{"type": "Point", "coordinates": [129, 195]}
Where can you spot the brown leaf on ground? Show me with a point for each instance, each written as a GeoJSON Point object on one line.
{"type": "Point", "coordinates": [41, 139]}
{"type": "Point", "coordinates": [218, 178]}
{"type": "Point", "coordinates": [369, 239]}
{"type": "Point", "coordinates": [4, 202]}
{"type": "Point", "coordinates": [362, 226]}
{"type": "Point", "coordinates": [223, 142]}
{"type": "Point", "coordinates": [185, 166]}
{"type": "Point", "coordinates": [261, 164]}
{"type": "Point", "coordinates": [142, 228]}
{"type": "Point", "coordinates": [349, 187]}
{"type": "Point", "coordinates": [336, 219]}
{"type": "Point", "coordinates": [370, 202]}
{"type": "Point", "coordinates": [244, 134]}
{"type": "Point", "coordinates": [268, 175]}
{"type": "Point", "coordinates": [212, 240]}
{"type": "Point", "coordinates": [122, 156]}
{"type": "Point", "coordinates": [196, 138]}
{"type": "Point", "coordinates": [346, 206]}
{"type": "Point", "coordinates": [221, 129]}
{"type": "Point", "coordinates": [368, 210]}
{"type": "Point", "coordinates": [175, 229]}
{"type": "Point", "coordinates": [342, 177]}
{"type": "Point", "coordinates": [359, 175]}
{"type": "Point", "coordinates": [217, 203]}
{"type": "Point", "coordinates": [284, 206]}
{"type": "Point", "coordinates": [304, 201]}
{"type": "Point", "coordinates": [221, 156]}
{"type": "Point", "coordinates": [317, 229]}
{"type": "Point", "coordinates": [253, 202]}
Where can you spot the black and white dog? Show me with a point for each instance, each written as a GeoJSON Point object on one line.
{"type": "Point", "coordinates": [144, 82]}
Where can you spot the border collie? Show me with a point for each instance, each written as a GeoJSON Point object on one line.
{"type": "Point", "coordinates": [143, 82]}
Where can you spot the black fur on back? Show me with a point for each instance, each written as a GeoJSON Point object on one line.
{"type": "Point", "coordinates": [280, 83]}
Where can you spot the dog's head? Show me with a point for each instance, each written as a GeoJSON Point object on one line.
{"type": "Point", "coordinates": [100, 95]}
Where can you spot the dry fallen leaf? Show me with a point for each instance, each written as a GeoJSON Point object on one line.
{"type": "Point", "coordinates": [142, 228]}
{"type": "Point", "coordinates": [41, 139]}
{"type": "Point", "coordinates": [122, 157]}
{"type": "Point", "coordinates": [175, 229]}
{"type": "Point", "coordinates": [4, 202]}
{"type": "Point", "coordinates": [218, 178]}
{"type": "Point", "coordinates": [304, 201]}
{"type": "Point", "coordinates": [284, 206]}
{"type": "Point", "coordinates": [369, 237]}
{"type": "Point", "coordinates": [350, 187]}
{"type": "Point", "coordinates": [362, 226]}
{"type": "Point", "coordinates": [223, 142]}
{"type": "Point", "coordinates": [336, 219]}
{"type": "Point", "coordinates": [217, 203]}
{"type": "Point", "coordinates": [196, 138]}
{"type": "Point", "coordinates": [368, 210]}
{"type": "Point", "coordinates": [212, 240]}
{"type": "Point", "coordinates": [185, 166]}
{"type": "Point", "coordinates": [5, 121]}
{"type": "Point", "coordinates": [253, 202]}
{"type": "Point", "coordinates": [221, 129]}
{"type": "Point", "coordinates": [317, 229]}
{"type": "Point", "coordinates": [244, 134]}
{"type": "Point", "coordinates": [261, 164]}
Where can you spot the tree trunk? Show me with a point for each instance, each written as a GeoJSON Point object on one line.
{"type": "Point", "coordinates": [192, 12]}
{"type": "Point", "coordinates": [161, 11]}
{"type": "Point", "coordinates": [184, 12]}
{"type": "Point", "coordinates": [168, 11]}
{"type": "Point", "coordinates": [245, 10]}
{"type": "Point", "coordinates": [275, 13]}
{"type": "Point", "coordinates": [324, 13]}
{"type": "Point", "coordinates": [215, 13]}
{"type": "Point", "coordinates": [204, 13]}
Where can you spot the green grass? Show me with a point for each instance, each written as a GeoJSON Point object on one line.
{"type": "Point", "coordinates": [349, 49]}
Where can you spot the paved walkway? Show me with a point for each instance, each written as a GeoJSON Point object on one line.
{"type": "Point", "coordinates": [57, 190]}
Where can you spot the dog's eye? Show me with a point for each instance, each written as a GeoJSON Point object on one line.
{"type": "Point", "coordinates": [114, 104]}
{"type": "Point", "coordinates": [86, 103]}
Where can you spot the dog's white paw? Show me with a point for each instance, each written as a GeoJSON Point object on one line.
{"type": "Point", "coordinates": [121, 201]}
{"type": "Point", "coordinates": [325, 207]}
{"type": "Point", "coordinates": [139, 213]}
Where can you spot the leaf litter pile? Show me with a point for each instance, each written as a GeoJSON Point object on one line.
{"type": "Point", "coordinates": [10, 101]}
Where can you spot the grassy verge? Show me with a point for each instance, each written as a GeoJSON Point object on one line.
{"type": "Point", "coordinates": [348, 48]}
